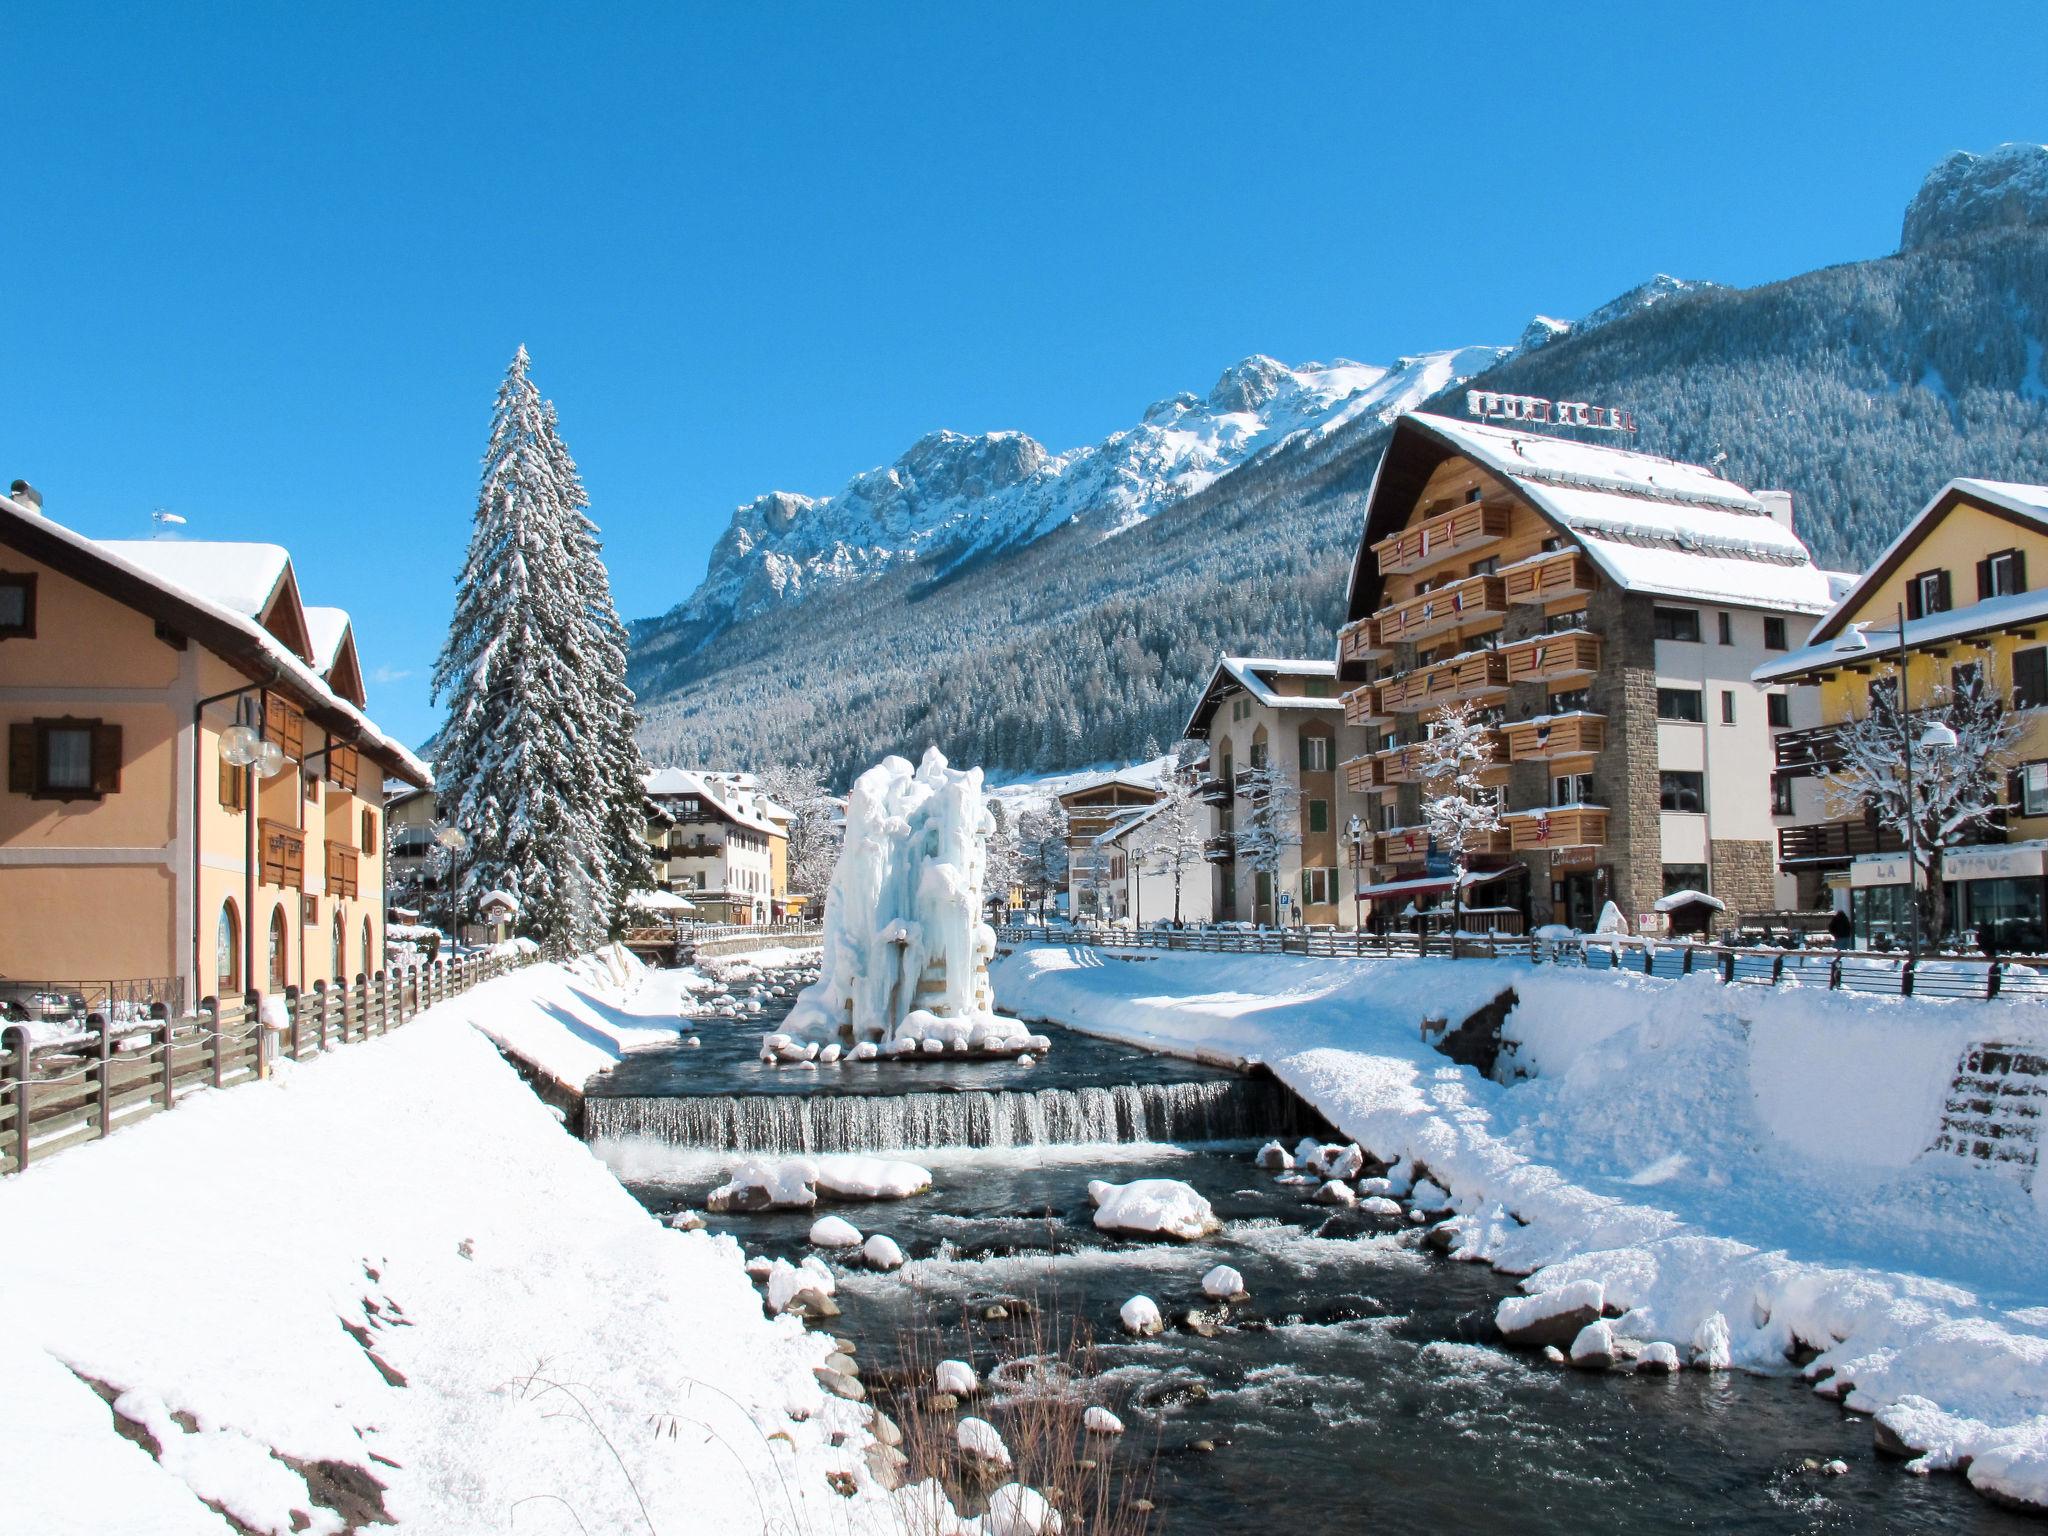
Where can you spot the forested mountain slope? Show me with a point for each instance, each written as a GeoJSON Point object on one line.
{"type": "Point", "coordinates": [1860, 388]}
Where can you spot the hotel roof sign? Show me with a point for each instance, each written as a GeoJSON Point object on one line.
{"type": "Point", "coordinates": [1490, 405]}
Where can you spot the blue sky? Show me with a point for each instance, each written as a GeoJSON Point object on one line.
{"type": "Point", "coordinates": [263, 266]}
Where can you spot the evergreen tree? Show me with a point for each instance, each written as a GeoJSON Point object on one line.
{"type": "Point", "coordinates": [527, 766]}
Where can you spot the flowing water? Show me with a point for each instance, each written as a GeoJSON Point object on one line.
{"type": "Point", "coordinates": [1361, 1390]}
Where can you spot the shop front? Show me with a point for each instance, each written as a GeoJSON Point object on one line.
{"type": "Point", "coordinates": [1999, 896]}
{"type": "Point", "coordinates": [1880, 906]}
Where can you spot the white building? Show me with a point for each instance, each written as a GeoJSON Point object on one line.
{"type": "Point", "coordinates": [1139, 885]}
{"type": "Point", "coordinates": [716, 843]}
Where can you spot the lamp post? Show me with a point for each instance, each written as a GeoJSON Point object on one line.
{"type": "Point", "coordinates": [1939, 735]}
{"type": "Point", "coordinates": [1354, 830]}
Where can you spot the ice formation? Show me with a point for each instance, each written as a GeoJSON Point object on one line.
{"type": "Point", "coordinates": [905, 950]}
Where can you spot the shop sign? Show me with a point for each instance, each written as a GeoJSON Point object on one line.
{"type": "Point", "coordinates": [1880, 869]}
{"type": "Point", "coordinates": [1574, 858]}
{"type": "Point", "coordinates": [1992, 863]}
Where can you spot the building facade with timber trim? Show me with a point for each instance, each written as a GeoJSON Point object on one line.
{"type": "Point", "coordinates": [1967, 582]}
{"type": "Point", "coordinates": [133, 849]}
{"type": "Point", "coordinates": [1605, 610]}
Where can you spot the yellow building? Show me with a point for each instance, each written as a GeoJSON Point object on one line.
{"type": "Point", "coordinates": [145, 841]}
{"type": "Point", "coordinates": [1958, 581]}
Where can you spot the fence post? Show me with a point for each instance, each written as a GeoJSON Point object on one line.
{"type": "Point", "coordinates": [252, 1013]}
{"type": "Point", "coordinates": [103, 1053]}
{"type": "Point", "coordinates": [1686, 968]}
{"type": "Point", "coordinates": [1835, 973]}
{"type": "Point", "coordinates": [291, 1012]}
{"type": "Point", "coordinates": [17, 1034]}
{"type": "Point", "coordinates": [1994, 978]}
{"type": "Point", "coordinates": [320, 1014]}
{"type": "Point", "coordinates": [209, 1020]}
{"type": "Point", "coordinates": [162, 1032]}
{"type": "Point", "coordinates": [1906, 978]}
{"type": "Point", "coordinates": [1777, 967]}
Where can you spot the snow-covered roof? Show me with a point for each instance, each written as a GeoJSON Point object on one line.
{"type": "Point", "coordinates": [1652, 524]}
{"type": "Point", "coordinates": [1991, 615]}
{"type": "Point", "coordinates": [326, 628]}
{"type": "Point", "coordinates": [2027, 504]}
{"type": "Point", "coordinates": [730, 802]}
{"type": "Point", "coordinates": [1679, 899]}
{"type": "Point", "coordinates": [237, 576]}
{"type": "Point", "coordinates": [134, 571]}
{"type": "Point", "coordinates": [1117, 830]}
{"type": "Point", "coordinates": [1253, 674]}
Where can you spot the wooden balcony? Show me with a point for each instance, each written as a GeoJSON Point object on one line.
{"type": "Point", "coordinates": [1361, 774]}
{"type": "Point", "coordinates": [1833, 842]}
{"type": "Point", "coordinates": [341, 869]}
{"type": "Point", "coordinates": [1216, 791]}
{"type": "Point", "coordinates": [1439, 612]}
{"type": "Point", "coordinates": [1398, 765]}
{"type": "Point", "coordinates": [1410, 693]}
{"type": "Point", "coordinates": [1360, 641]}
{"type": "Point", "coordinates": [282, 854]}
{"type": "Point", "coordinates": [1220, 850]}
{"type": "Point", "coordinates": [1550, 578]}
{"type": "Point", "coordinates": [1553, 658]}
{"type": "Point", "coordinates": [1547, 740]}
{"type": "Point", "coordinates": [1560, 827]}
{"type": "Point", "coordinates": [1463, 530]}
{"type": "Point", "coordinates": [1815, 750]}
{"type": "Point", "coordinates": [1482, 675]}
{"type": "Point", "coordinates": [1363, 706]}
{"type": "Point", "coordinates": [1401, 845]}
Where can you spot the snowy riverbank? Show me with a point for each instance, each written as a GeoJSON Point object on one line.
{"type": "Point", "coordinates": [1697, 1151]}
{"type": "Point", "coordinates": [390, 1266]}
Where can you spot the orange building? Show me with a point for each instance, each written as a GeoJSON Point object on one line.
{"type": "Point", "coordinates": [194, 798]}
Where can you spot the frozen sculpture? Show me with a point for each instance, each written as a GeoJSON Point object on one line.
{"type": "Point", "coordinates": [905, 965]}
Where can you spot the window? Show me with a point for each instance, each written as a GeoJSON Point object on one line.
{"type": "Point", "coordinates": [64, 759]}
{"type": "Point", "coordinates": [1552, 544]}
{"type": "Point", "coordinates": [2032, 788]}
{"type": "Point", "coordinates": [227, 951]}
{"type": "Point", "coordinates": [1571, 789]}
{"type": "Point", "coordinates": [1676, 623]}
{"type": "Point", "coordinates": [234, 786]}
{"type": "Point", "coordinates": [1319, 815]}
{"type": "Point", "coordinates": [1567, 699]}
{"type": "Point", "coordinates": [2030, 678]}
{"type": "Point", "coordinates": [1727, 706]}
{"type": "Point", "coordinates": [1778, 708]}
{"type": "Point", "coordinates": [369, 842]}
{"type": "Point", "coordinates": [1682, 791]}
{"type": "Point", "coordinates": [1487, 566]}
{"type": "Point", "coordinates": [1685, 877]}
{"type": "Point", "coordinates": [285, 725]}
{"type": "Point", "coordinates": [1774, 634]}
{"type": "Point", "coordinates": [1383, 815]}
{"type": "Point", "coordinates": [1781, 794]}
{"type": "Point", "coordinates": [1315, 754]}
{"type": "Point", "coordinates": [280, 968]}
{"type": "Point", "coordinates": [1318, 688]}
{"type": "Point", "coordinates": [1471, 493]}
{"type": "Point", "coordinates": [1680, 704]}
{"type": "Point", "coordinates": [2002, 574]}
{"type": "Point", "coordinates": [1927, 593]}
{"type": "Point", "coordinates": [1318, 887]}
{"type": "Point", "coordinates": [1725, 630]}
{"type": "Point", "coordinates": [1258, 754]}
{"type": "Point", "coordinates": [17, 605]}
{"type": "Point", "coordinates": [1966, 679]}
{"type": "Point", "coordinates": [1558, 623]}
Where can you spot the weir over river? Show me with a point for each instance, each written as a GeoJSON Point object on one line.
{"type": "Point", "coordinates": [1362, 1390]}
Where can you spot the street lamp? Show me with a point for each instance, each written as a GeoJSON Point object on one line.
{"type": "Point", "coordinates": [1937, 735]}
{"type": "Point", "coordinates": [1354, 829]}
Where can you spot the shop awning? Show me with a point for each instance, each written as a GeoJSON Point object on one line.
{"type": "Point", "coordinates": [1430, 885]}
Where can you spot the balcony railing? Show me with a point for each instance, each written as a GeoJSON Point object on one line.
{"type": "Point", "coordinates": [1546, 740]}
{"type": "Point", "coordinates": [1834, 842]}
{"type": "Point", "coordinates": [341, 869]}
{"type": "Point", "coordinates": [1401, 845]}
{"type": "Point", "coordinates": [1214, 791]}
{"type": "Point", "coordinates": [1424, 688]}
{"type": "Point", "coordinates": [1575, 826]}
{"type": "Point", "coordinates": [1361, 774]}
{"type": "Point", "coordinates": [1360, 641]}
{"type": "Point", "coordinates": [1549, 578]}
{"type": "Point", "coordinates": [1399, 765]}
{"type": "Point", "coordinates": [1220, 850]}
{"type": "Point", "coordinates": [282, 851]}
{"type": "Point", "coordinates": [1461, 531]}
{"type": "Point", "coordinates": [1553, 658]}
{"type": "Point", "coordinates": [1363, 706]}
{"type": "Point", "coordinates": [1482, 675]}
{"type": "Point", "coordinates": [1443, 610]}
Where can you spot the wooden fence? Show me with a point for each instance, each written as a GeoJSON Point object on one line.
{"type": "Point", "coordinates": [87, 1085]}
{"type": "Point", "coordinates": [1884, 974]}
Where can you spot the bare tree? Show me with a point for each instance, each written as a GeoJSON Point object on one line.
{"type": "Point", "coordinates": [1042, 852]}
{"type": "Point", "coordinates": [1272, 823]}
{"type": "Point", "coordinates": [1956, 785]}
{"type": "Point", "coordinates": [816, 827]}
{"type": "Point", "coordinates": [1456, 807]}
{"type": "Point", "coordinates": [1172, 837]}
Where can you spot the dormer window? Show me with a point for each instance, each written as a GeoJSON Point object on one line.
{"type": "Point", "coordinates": [17, 605]}
{"type": "Point", "coordinates": [2002, 574]}
{"type": "Point", "coordinates": [1927, 593]}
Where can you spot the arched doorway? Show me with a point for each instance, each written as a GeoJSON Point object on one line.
{"type": "Point", "coordinates": [369, 963]}
{"type": "Point", "coordinates": [227, 951]}
{"type": "Point", "coordinates": [280, 958]}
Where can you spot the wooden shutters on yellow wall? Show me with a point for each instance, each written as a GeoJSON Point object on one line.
{"type": "Point", "coordinates": [232, 786]}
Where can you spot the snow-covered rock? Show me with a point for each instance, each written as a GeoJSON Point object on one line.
{"type": "Point", "coordinates": [956, 1377]}
{"type": "Point", "coordinates": [1015, 1510]}
{"type": "Point", "coordinates": [1967, 194]}
{"type": "Point", "coordinates": [880, 1252]}
{"type": "Point", "coordinates": [1335, 1192]}
{"type": "Point", "coordinates": [850, 1176]}
{"type": "Point", "coordinates": [980, 1441]}
{"type": "Point", "coordinates": [1152, 1208]}
{"type": "Point", "coordinates": [1275, 1158]}
{"type": "Point", "coordinates": [835, 1232]}
{"type": "Point", "coordinates": [1380, 1205]}
{"type": "Point", "coordinates": [1711, 1344]}
{"type": "Point", "coordinates": [1556, 1316]}
{"type": "Point", "coordinates": [760, 1184]}
{"type": "Point", "coordinates": [1430, 1196]}
{"type": "Point", "coordinates": [1657, 1359]}
{"type": "Point", "coordinates": [1100, 1421]}
{"type": "Point", "coordinates": [1140, 1315]}
{"type": "Point", "coordinates": [1593, 1348]}
{"type": "Point", "coordinates": [1223, 1284]}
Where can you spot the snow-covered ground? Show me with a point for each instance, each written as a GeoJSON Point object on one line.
{"type": "Point", "coordinates": [1712, 1158]}
{"type": "Point", "coordinates": [391, 1266]}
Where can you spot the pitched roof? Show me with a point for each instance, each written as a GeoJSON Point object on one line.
{"type": "Point", "coordinates": [728, 801]}
{"type": "Point", "coordinates": [237, 576]}
{"type": "Point", "coordinates": [126, 570]}
{"type": "Point", "coordinates": [1652, 524]}
{"type": "Point", "coordinates": [1254, 675]}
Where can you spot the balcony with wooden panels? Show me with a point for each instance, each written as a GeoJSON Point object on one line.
{"type": "Point", "coordinates": [1550, 578]}
{"type": "Point", "coordinates": [1361, 774]}
{"type": "Point", "coordinates": [281, 853]}
{"type": "Point", "coordinates": [1360, 641]}
{"type": "Point", "coordinates": [1439, 612]}
{"type": "Point", "coordinates": [1553, 658]}
{"type": "Point", "coordinates": [1834, 842]}
{"type": "Point", "coordinates": [1546, 740]}
{"type": "Point", "coordinates": [1214, 791]}
{"type": "Point", "coordinates": [341, 869]}
{"type": "Point", "coordinates": [1399, 765]}
{"type": "Point", "coordinates": [1567, 826]}
{"type": "Point", "coordinates": [1463, 530]}
{"type": "Point", "coordinates": [1483, 675]}
{"type": "Point", "coordinates": [1410, 693]}
{"type": "Point", "coordinates": [1363, 706]}
{"type": "Point", "coordinates": [1401, 845]}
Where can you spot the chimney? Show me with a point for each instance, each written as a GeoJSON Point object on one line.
{"type": "Point", "coordinates": [27, 496]}
{"type": "Point", "coordinates": [1779, 505]}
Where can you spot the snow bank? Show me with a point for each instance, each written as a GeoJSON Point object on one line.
{"type": "Point", "coordinates": [596, 1009]}
{"type": "Point", "coordinates": [903, 928]}
{"type": "Point", "coordinates": [401, 1209]}
{"type": "Point", "coordinates": [1741, 1167]}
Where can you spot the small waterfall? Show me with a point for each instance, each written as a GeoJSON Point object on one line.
{"type": "Point", "coordinates": [1222, 1109]}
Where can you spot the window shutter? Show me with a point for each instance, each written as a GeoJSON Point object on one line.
{"type": "Point", "coordinates": [2030, 678]}
{"type": "Point", "coordinates": [21, 758]}
{"type": "Point", "coordinates": [230, 785]}
{"type": "Point", "coordinates": [2019, 570]}
{"type": "Point", "coordinates": [1913, 598]}
{"type": "Point", "coordinates": [1983, 579]}
{"type": "Point", "coordinates": [1943, 600]}
{"type": "Point", "coordinates": [106, 759]}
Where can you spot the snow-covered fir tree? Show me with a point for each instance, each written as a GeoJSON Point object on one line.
{"type": "Point", "coordinates": [530, 765]}
{"type": "Point", "coordinates": [1457, 807]}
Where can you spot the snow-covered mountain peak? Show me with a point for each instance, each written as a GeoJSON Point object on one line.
{"type": "Point", "coordinates": [1966, 194]}
{"type": "Point", "coordinates": [1544, 329]}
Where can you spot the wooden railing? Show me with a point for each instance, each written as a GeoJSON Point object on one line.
{"type": "Point", "coordinates": [1360, 641]}
{"type": "Point", "coordinates": [1553, 658]}
{"type": "Point", "coordinates": [1563, 574]}
{"type": "Point", "coordinates": [281, 854]}
{"type": "Point", "coordinates": [1444, 609]}
{"type": "Point", "coordinates": [92, 1081]}
{"type": "Point", "coordinates": [1470, 526]}
{"type": "Point", "coordinates": [1575, 735]}
{"type": "Point", "coordinates": [1562, 827]}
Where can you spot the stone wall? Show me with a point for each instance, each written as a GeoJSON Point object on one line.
{"type": "Point", "coordinates": [1625, 776]}
{"type": "Point", "coordinates": [1744, 874]}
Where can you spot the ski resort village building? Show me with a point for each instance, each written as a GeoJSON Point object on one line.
{"type": "Point", "coordinates": [1963, 581]}
{"type": "Point", "coordinates": [720, 844]}
{"type": "Point", "coordinates": [1094, 808]}
{"type": "Point", "coordinates": [1277, 735]}
{"type": "Point", "coordinates": [194, 798]}
{"type": "Point", "coordinates": [1605, 610]}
